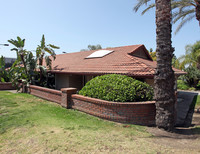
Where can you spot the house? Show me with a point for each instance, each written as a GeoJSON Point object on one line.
{"type": "Point", "coordinates": [76, 69]}
{"type": "Point", "coordinates": [9, 61]}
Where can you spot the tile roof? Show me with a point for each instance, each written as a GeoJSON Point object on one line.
{"type": "Point", "coordinates": [121, 61]}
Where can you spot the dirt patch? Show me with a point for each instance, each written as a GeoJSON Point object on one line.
{"type": "Point", "coordinates": [182, 138]}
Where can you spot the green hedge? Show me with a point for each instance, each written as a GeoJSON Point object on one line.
{"type": "Point", "coordinates": [117, 88]}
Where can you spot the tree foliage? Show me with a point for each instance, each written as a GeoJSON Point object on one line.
{"type": "Point", "coordinates": [26, 64]}
{"type": "Point", "coordinates": [93, 47]}
{"type": "Point", "coordinates": [192, 77]}
{"type": "Point", "coordinates": [41, 51]}
{"type": "Point", "coordinates": [191, 57]}
{"type": "Point", "coordinates": [182, 10]}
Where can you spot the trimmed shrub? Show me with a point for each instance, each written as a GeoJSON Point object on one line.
{"type": "Point", "coordinates": [182, 85]}
{"type": "Point", "coordinates": [117, 88]}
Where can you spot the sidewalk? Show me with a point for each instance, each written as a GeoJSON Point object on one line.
{"type": "Point", "coordinates": [12, 91]}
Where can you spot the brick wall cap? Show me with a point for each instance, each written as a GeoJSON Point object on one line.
{"type": "Point", "coordinates": [5, 83]}
{"type": "Point", "coordinates": [68, 89]}
{"type": "Point", "coordinates": [58, 92]}
{"type": "Point", "coordinates": [95, 100]}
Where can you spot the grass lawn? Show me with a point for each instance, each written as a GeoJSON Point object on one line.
{"type": "Point", "coordinates": [32, 125]}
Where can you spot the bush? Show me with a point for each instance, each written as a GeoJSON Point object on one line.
{"type": "Point", "coordinates": [117, 88]}
{"type": "Point", "coordinates": [192, 89]}
{"type": "Point", "coordinates": [182, 85]}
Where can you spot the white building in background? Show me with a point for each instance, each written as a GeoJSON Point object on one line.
{"type": "Point", "coordinates": [9, 60]}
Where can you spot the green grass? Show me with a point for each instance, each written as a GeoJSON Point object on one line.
{"type": "Point", "coordinates": [32, 125]}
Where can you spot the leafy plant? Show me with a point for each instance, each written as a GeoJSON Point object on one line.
{"type": "Point", "coordinates": [192, 77]}
{"type": "Point", "coordinates": [191, 57]}
{"type": "Point", "coordinates": [182, 85]}
{"type": "Point", "coordinates": [24, 67]}
{"type": "Point", "coordinates": [117, 88]}
{"type": "Point", "coordinates": [41, 51]}
{"type": "Point", "coordinates": [5, 75]}
{"type": "Point", "coordinates": [183, 11]}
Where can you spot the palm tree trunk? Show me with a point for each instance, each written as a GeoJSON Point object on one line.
{"type": "Point", "coordinates": [198, 10]}
{"type": "Point", "coordinates": [164, 75]}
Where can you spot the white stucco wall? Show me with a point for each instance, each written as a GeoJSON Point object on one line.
{"type": "Point", "coordinates": [61, 81]}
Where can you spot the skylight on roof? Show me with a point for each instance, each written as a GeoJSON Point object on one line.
{"type": "Point", "coordinates": [100, 53]}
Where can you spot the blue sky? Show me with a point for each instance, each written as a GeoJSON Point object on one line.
{"type": "Point", "coordinates": [74, 24]}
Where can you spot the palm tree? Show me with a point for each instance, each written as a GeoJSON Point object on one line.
{"type": "Point", "coordinates": [184, 10]}
{"type": "Point", "coordinates": [40, 54]}
{"type": "Point", "coordinates": [164, 75]}
{"type": "Point", "coordinates": [19, 48]}
{"type": "Point", "coordinates": [164, 79]}
{"type": "Point", "coordinates": [191, 57]}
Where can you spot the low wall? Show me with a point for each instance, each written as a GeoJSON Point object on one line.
{"type": "Point", "coordinates": [46, 93]}
{"type": "Point", "coordinates": [141, 113]}
{"type": "Point", "coordinates": [6, 86]}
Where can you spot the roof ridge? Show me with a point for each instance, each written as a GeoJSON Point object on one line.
{"type": "Point", "coordinates": [137, 46]}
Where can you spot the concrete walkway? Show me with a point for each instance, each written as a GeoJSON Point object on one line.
{"type": "Point", "coordinates": [12, 91]}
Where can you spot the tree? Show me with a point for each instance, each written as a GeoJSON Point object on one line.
{"type": "Point", "coordinates": [184, 10]}
{"type": "Point", "coordinates": [19, 48]}
{"type": "Point", "coordinates": [192, 77]}
{"type": "Point", "coordinates": [164, 79]}
{"type": "Point", "coordinates": [25, 65]}
{"type": "Point", "coordinates": [164, 75]}
{"type": "Point", "coordinates": [175, 62]}
{"type": "Point", "coordinates": [41, 50]}
{"type": "Point", "coordinates": [191, 57]}
{"type": "Point", "coordinates": [153, 55]}
{"type": "Point", "coordinates": [93, 47]}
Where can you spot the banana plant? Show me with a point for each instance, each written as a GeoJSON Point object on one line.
{"type": "Point", "coordinates": [19, 48]}
{"type": "Point", "coordinates": [41, 51]}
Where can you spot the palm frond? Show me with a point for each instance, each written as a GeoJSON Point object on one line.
{"type": "Point", "coordinates": [148, 8]}
{"type": "Point", "coordinates": [181, 15]}
{"type": "Point", "coordinates": [53, 46]}
{"type": "Point", "coordinates": [183, 22]}
{"type": "Point", "coordinates": [48, 61]}
{"type": "Point", "coordinates": [139, 4]}
{"type": "Point", "coordinates": [43, 42]}
{"type": "Point", "coordinates": [14, 49]}
{"type": "Point", "coordinates": [48, 50]}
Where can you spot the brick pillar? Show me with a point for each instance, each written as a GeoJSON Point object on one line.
{"type": "Point", "coordinates": [66, 97]}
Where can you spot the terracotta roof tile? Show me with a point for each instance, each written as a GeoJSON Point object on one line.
{"type": "Point", "coordinates": [121, 61]}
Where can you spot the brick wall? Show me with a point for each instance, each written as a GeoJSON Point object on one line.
{"type": "Point", "coordinates": [141, 113]}
{"type": "Point", "coordinates": [6, 86]}
{"type": "Point", "coordinates": [46, 93]}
